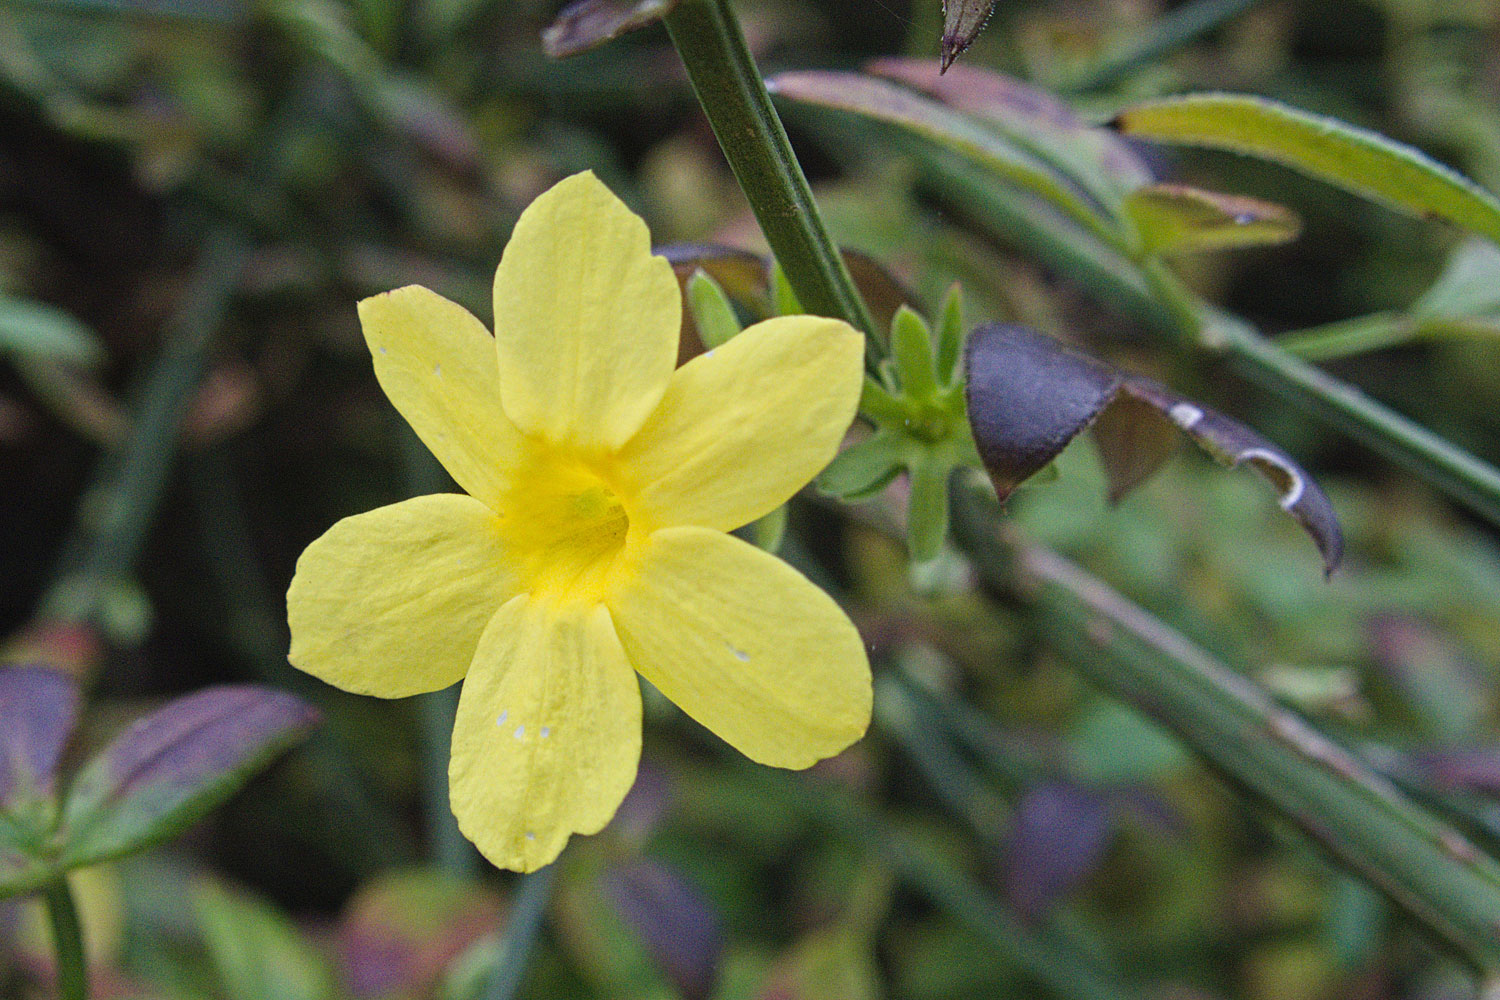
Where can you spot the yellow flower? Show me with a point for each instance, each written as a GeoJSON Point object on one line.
{"type": "Point", "coordinates": [592, 543]}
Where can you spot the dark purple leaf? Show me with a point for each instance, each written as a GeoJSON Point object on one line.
{"type": "Point", "coordinates": [963, 20]}
{"type": "Point", "coordinates": [170, 768]}
{"type": "Point", "coordinates": [39, 706]}
{"type": "Point", "coordinates": [679, 928]}
{"type": "Point", "coordinates": [1060, 835]}
{"type": "Point", "coordinates": [588, 24]}
{"type": "Point", "coordinates": [1030, 395]}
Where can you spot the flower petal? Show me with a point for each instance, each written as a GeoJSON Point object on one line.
{"type": "Point", "coordinates": [392, 602]}
{"type": "Point", "coordinates": [548, 733]}
{"type": "Point", "coordinates": [436, 363]}
{"type": "Point", "coordinates": [744, 644]}
{"type": "Point", "coordinates": [746, 425]}
{"type": "Point", "coordinates": [586, 319]}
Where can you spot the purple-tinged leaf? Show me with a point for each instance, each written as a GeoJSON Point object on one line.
{"type": "Point", "coordinates": [1175, 218]}
{"type": "Point", "coordinates": [680, 929]}
{"type": "Point", "coordinates": [588, 24]}
{"type": "Point", "coordinates": [963, 20]}
{"type": "Point", "coordinates": [1060, 834]}
{"type": "Point", "coordinates": [173, 766]}
{"type": "Point", "coordinates": [401, 932]}
{"type": "Point", "coordinates": [39, 706]}
{"type": "Point", "coordinates": [1024, 112]}
{"type": "Point", "coordinates": [1029, 396]}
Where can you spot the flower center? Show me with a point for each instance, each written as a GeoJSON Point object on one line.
{"type": "Point", "coordinates": [563, 527]}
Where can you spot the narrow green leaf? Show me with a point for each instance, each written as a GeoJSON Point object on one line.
{"type": "Point", "coordinates": [947, 129]}
{"type": "Point", "coordinates": [1353, 158]}
{"type": "Point", "coordinates": [783, 299]}
{"type": "Point", "coordinates": [1175, 218]}
{"type": "Point", "coordinates": [1468, 286]}
{"type": "Point", "coordinates": [36, 330]}
{"type": "Point", "coordinates": [863, 470]}
{"type": "Point", "coordinates": [911, 347]}
{"type": "Point", "coordinates": [712, 312]}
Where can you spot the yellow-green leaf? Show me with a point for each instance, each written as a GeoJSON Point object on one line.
{"type": "Point", "coordinates": [1175, 218]}
{"type": "Point", "coordinates": [1353, 158]}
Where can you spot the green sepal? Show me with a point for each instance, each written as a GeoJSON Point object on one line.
{"type": "Point", "coordinates": [768, 532]}
{"type": "Point", "coordinates": [881, 406]}
{"type": "Point", "coordinates": [862, 471]}
{"type": "Point", "coordinates": [950, 334]}
{"type": "Point", "coordinates": [712, 311]}
{"type": "Point", "coordinates": [911, 347]}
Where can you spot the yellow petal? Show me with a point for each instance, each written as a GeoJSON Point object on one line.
{"type": "Point", "coordinates": [436, 363]}
{"type": "Point", "coordinates": [746, 425]}
{"type": "Point", "coordinates": [392, 602]}
{"type": "Point", "coordinates": [548, 732]}
{"type": "Point", "coordinates": [586, 320]}
{"type": "Point", "coordinates": [744, 644]}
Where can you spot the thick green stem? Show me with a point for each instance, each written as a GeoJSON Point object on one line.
{"type": "Point", "coordinates": [1425, 866]}
{"type": "Point", "coordinates": [67, 941]}
{"type": "Point", "coordinates": [734, 97]}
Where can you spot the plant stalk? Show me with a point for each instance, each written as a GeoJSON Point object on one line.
{"type": "Point", "coordinates": [521, 933]}
{"type": "Point", "coordinates": [67, 942]}
{"type": "Point", "coordinates": [733, 96]}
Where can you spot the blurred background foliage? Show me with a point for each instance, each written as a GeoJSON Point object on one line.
{"type": "Point", "coordinates": [193, 194]}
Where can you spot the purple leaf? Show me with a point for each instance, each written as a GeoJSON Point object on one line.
{"type": "Point", "coordinates": [39, 706]}
{"type": "Point", "coordinates": [170, 768]}
{"type": "Point", "coordinates": [1030, 395]}
{"type": "Point", "coordinates": [679, 928]}
{"type": "Point", "coordinates": [588, 24]}
{"type": "Point", "coordinates": [1060, 834]}
{"type": "Point", "coordinates": [1024, 111]}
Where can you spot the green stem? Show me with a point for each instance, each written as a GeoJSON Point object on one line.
{"type": "Point", "coordinates": [130, 482]}
{"type": "Point", "coordinates": [521, 934]}
{"type": "Point", "coordinates": [1348, 337]}
{"type": "Point", "coordinates": [1424, 865]}
{"type": "Point", "coordinates": [67, 941]}
{"type": "Point", "coordinates": [1464, 477]}
{"type": "Point", "coordinates": [734, 97]}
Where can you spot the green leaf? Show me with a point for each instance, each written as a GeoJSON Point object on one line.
{"type": "Point", "coordinates": [859, 472]}
{"type": "Point", "coordinates": [257, 952]}
{"type": "Point", "coordinates": [949, 130]}
{"type": "Point", "coordinates": [1353, 158]}
{"type": "Point", "coordinates": [1468, 286]}
{"type": "Point", "coordinates": [1174, 218]}
{"type": "Point", "coordinates": [911, 347]}
{"type": "Point", "coordinates": [173, 766]}
{"type": "Point", "coordinates": [768, 532]}
{"type": "Point", "coordinates": [36, 330]}
{"type": "Point", "coordinates": [783, 299]}
{"type": "Point", "coordinates": [713, 314]}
